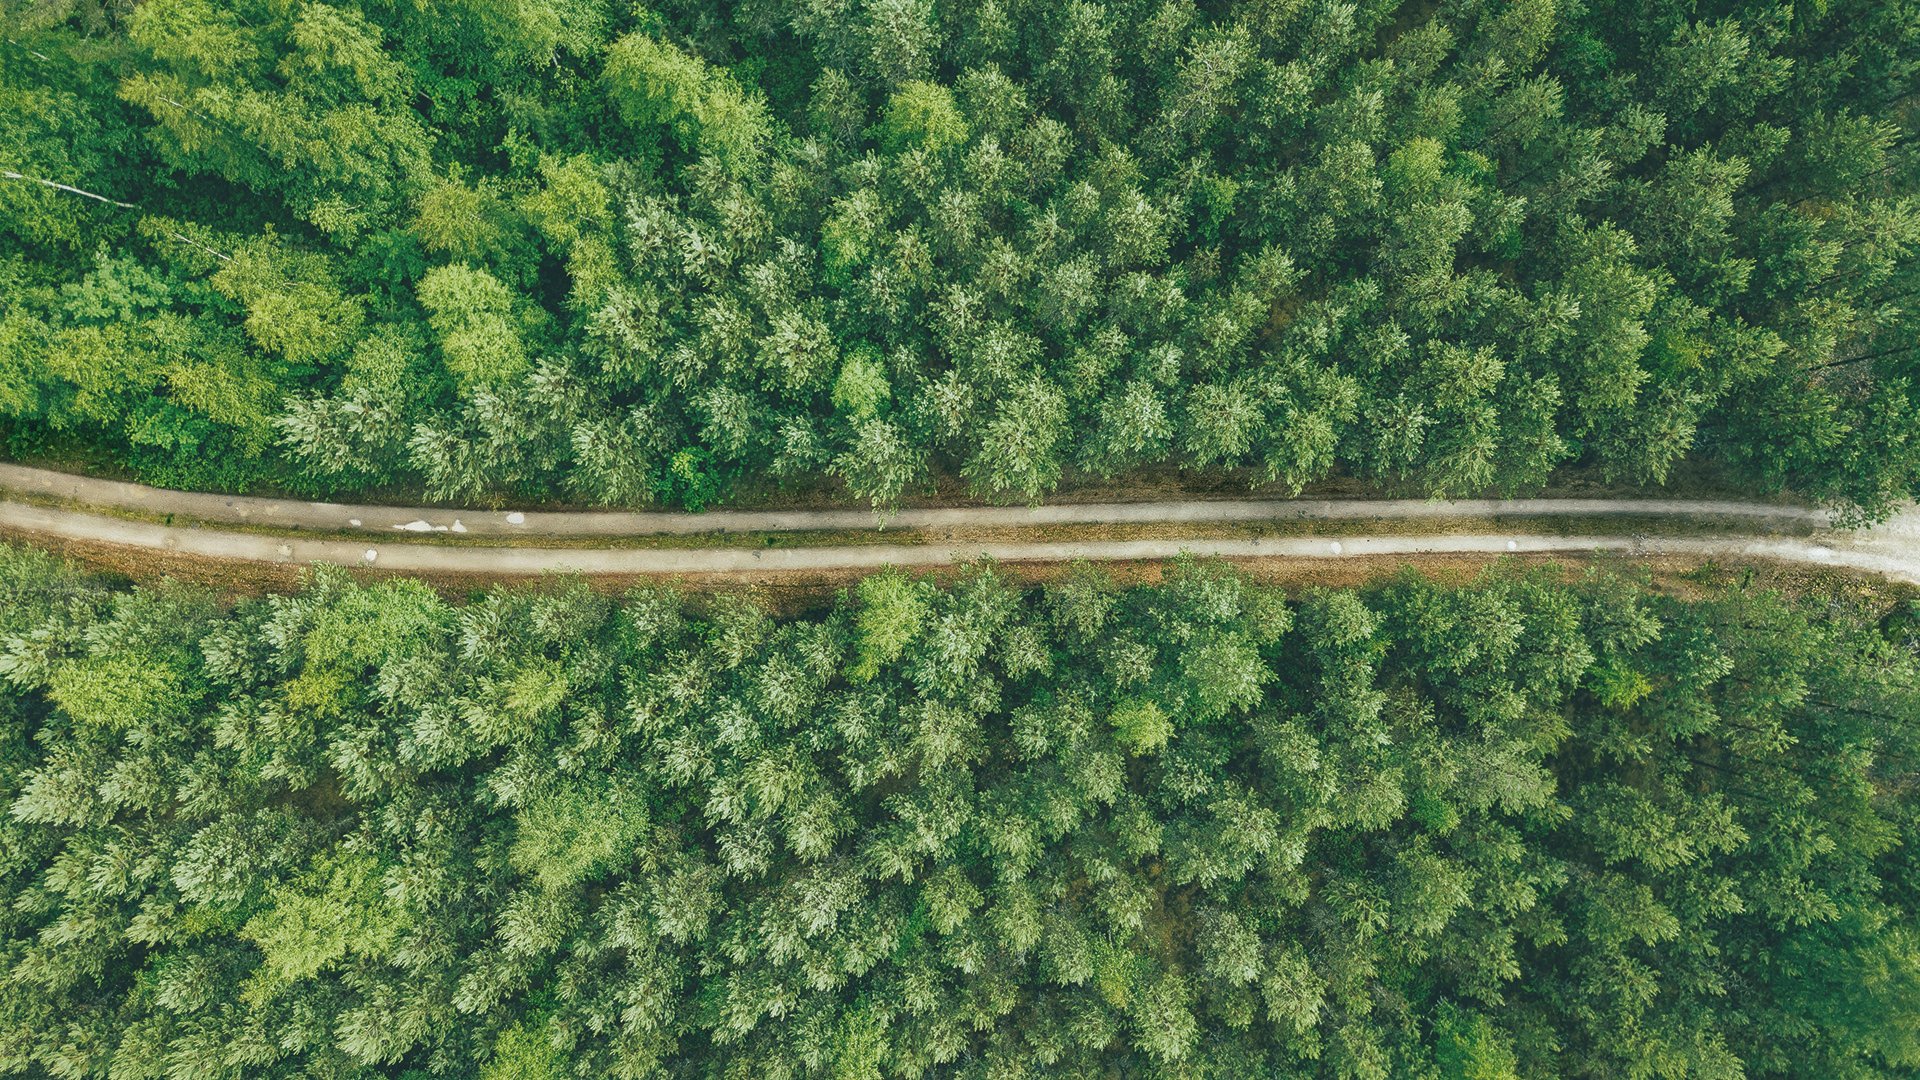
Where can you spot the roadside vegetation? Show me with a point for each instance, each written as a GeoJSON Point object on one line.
{"type": "Point", "coordinates": [1527, 826]}
{"type": "Point", "coordinates": [566, 249]}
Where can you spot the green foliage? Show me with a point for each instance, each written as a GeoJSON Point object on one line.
{"type": "Point", "coordinates": [653, 82]}
{"type": "Point", "coordinates": [118, 691]}
{"type": "Point", "coordinates": [354, 629]}
{"type": "Point", "coordinates": [1141, 726]}
{"type": "Point", "coordinates": [471, 313]}
{"type": "Point", "coordinates": [893, 611]}
{"type": "Point", "coordinates": [577, 833]}
{"type": "Point", "coordinates": [334, 909]}
{"type": "Point", "coordinates": [861, 388]}
{"type": "Point", "coordinates": [922, 115]}
{"type": "Point", "coordinates": [1415, 830]}
{"type": "Point", "coordinates": [1618, 686]}
{"type": "Point", "coordinates": [1468, 1047]}
{"type": "Point", "coordinates": [523, 1053]}
{"type": "Point", "coordinates": [648, 254]}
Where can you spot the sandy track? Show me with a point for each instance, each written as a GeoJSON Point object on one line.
{"type": "Point", "coordinates": [1891, 550]}
{"type": "Point", "coordinates": [399, 521]}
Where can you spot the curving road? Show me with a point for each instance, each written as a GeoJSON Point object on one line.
{"type": "Point", "coordinates": [399, 538]}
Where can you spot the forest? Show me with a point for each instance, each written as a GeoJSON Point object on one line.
{"type": "Point", "coordinates": [588, 252]}
{"type": "Point", "coordinates": [1533, 824]}
{"type": "Point", "coordinates": [1536, 821]}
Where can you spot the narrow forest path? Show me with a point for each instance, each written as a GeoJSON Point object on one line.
{"type": "Point", "coordinates": [69, 507]}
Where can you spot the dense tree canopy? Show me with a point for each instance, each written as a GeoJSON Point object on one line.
{"type": "Point", "coordinates": [572, 248]}
{"type": "Point", "coordinates": [1515, 828]}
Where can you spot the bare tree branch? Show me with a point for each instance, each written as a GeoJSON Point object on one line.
{"type": "Point", "coordinates": [9, 174]}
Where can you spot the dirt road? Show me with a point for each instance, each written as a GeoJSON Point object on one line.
{"type": "Point", "coordinates": [401, 538]}
{"type": "Point", "coordinates": [1899, 560]}
{"type": "Point", "coordinates": [391, 521]}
